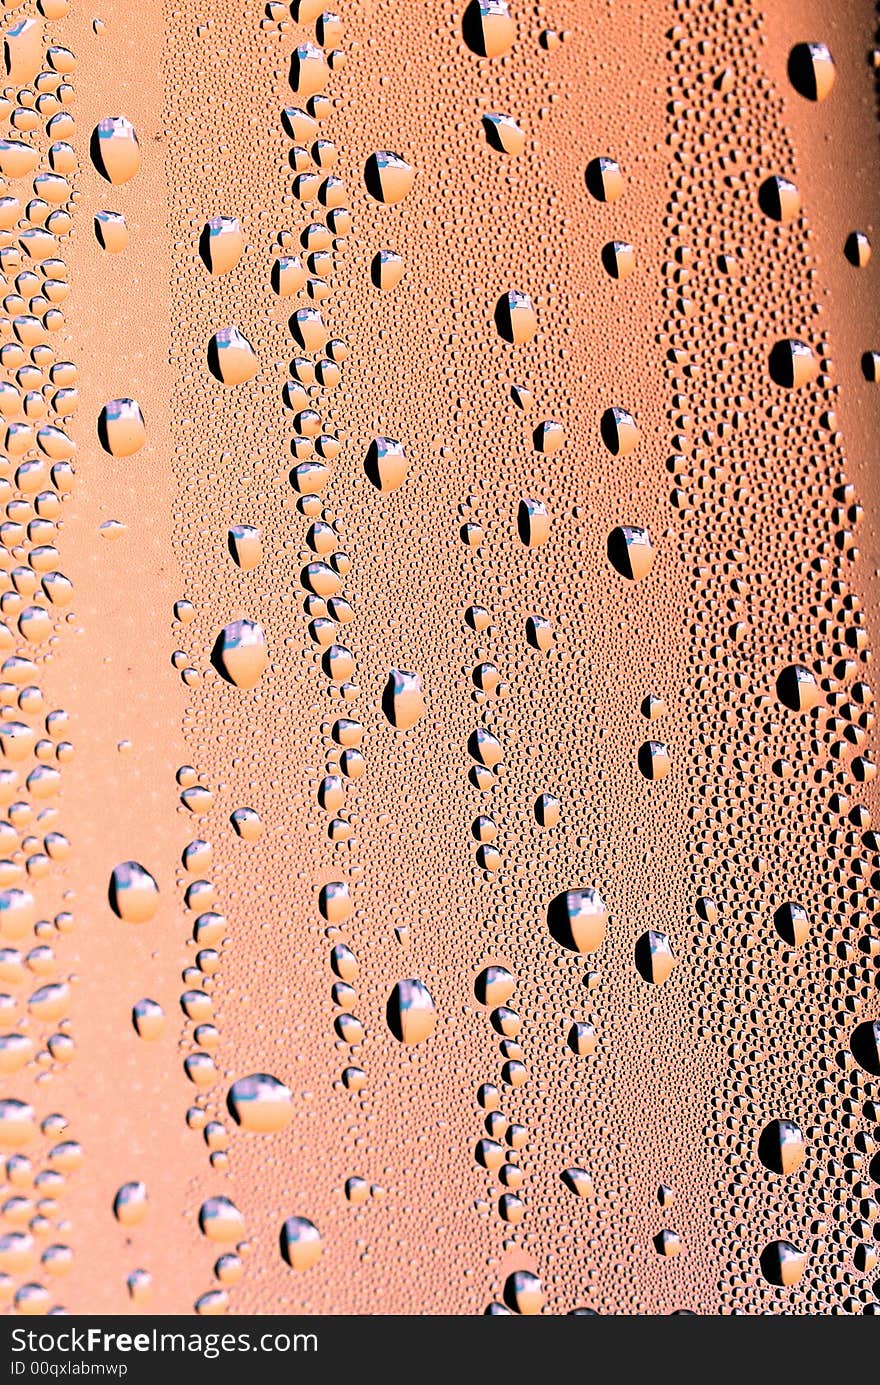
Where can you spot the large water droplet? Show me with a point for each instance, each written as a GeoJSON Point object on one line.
{"type": "Point", "coordinates": [403, 701]}
{"type": "Point", "coordinates": [231, 358]}
{"type": "Point", "coordinates": [410, 1012]}
{"type": "Point", "coordinates": [300, 1243]}
{"type": "Point", "coordinates": [133, 893]}
{"type": "Point", "coordinates": [578, 919]}
{"type": "Point", "coordinates": [240, 653]}
{"type": "Point", "coordinates": [260, 1103]}
{"type": "Point", "coordinates": [115, 150]}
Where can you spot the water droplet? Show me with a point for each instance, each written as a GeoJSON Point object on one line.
{"type": "Point", "coordinates": [578, 1181]}
{"type": "Point", "coordinates": [619, 432]}
{"type": "Point", "coordinates": [488, 28]}
{"type": "Point", "coordinates": [111, 231]}
{"type": "Point", "coordinates": [503, 134]}
{"type": "Point", "coordinates": [388, 177]}
{"type": "Point", "coordinates": [260, 1103]}
{"type": "Point", "coordinates": [604, 179]}
{"type": "Point", "coordinates": [630, 551]}
{"type": "Point", "coordinates": [653, 760]}
{"type": "Point", "coordinates": [667, 1243]}
{"type": "Point", "coordinates": [779, 199]}
{"type": "Point", "coordinates": [523, 1293]}
{"type": "Point", "coordinates": [515, 317]}
{"type": "Point", "coordinates": [783, 1264]}
{"type": "Point", "coordinates": [247, 824]}
{"type": "Point", "coordinates": [121, 427]}
{"type": "Point", "coordinates": [618, 258]}
{"type": "Point", "coordinates": [130, 1204]}
{"type": "Point", "coordinates": [133, 893]}
{"type": "Point", "coordinates": [494, 985]}
{"type": "Point", "coordinates": [115, 150]}
{"type": "Point", "coordinates": [578, 919]}
{"type": "Point", "coordinates": [386, 464]}
{"type": "Point", "coordinates": [532, 522]}
{"type": "Point", "coordinates": [792, 363]}
{"type": "Point", "coordinates": [301, 1243]}
{"type": "Point", "coordinates": [386, 269]}
{"type": "Point", "coordinates": [220, 1220]}
{"type": "Point", "coordinates": [582, 1038]}
{"type": "Point", "coordinates": [865, 1046]}
{"type": "Point", "coordinates": [858, 249]}
{"type": "Point", "coordinates": [811, 70]}
{"type": "Point", "coordinates": [221, 244]}
{"type": "Point", "coordinates": [309, 71]}
{"type": "Point", "coordinates": [16, 1123]}
{"type": "Point", "coordinates": [410, 1012]}
{"type": "Point", "coordinates": [231, 358]}
{"type": "Point", "coordinates": [547, 810]}
{"type": "Point", "coordinates": [781, 1146]}
{"type": "Point", "coordinates": [797, 689]}
{"type": "Point", "coordinates": [403, 700]}
{"type": "Point", "coordinates": [245, 546]}
{"type": "Point", "coordinates": [654, 957]}
{"type": "Point", "coordinates": [792, 923]}
{"type": "Point", "coordinates": [239, 654]}
{"type": "Point", "coordinates": [148, 1018]}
